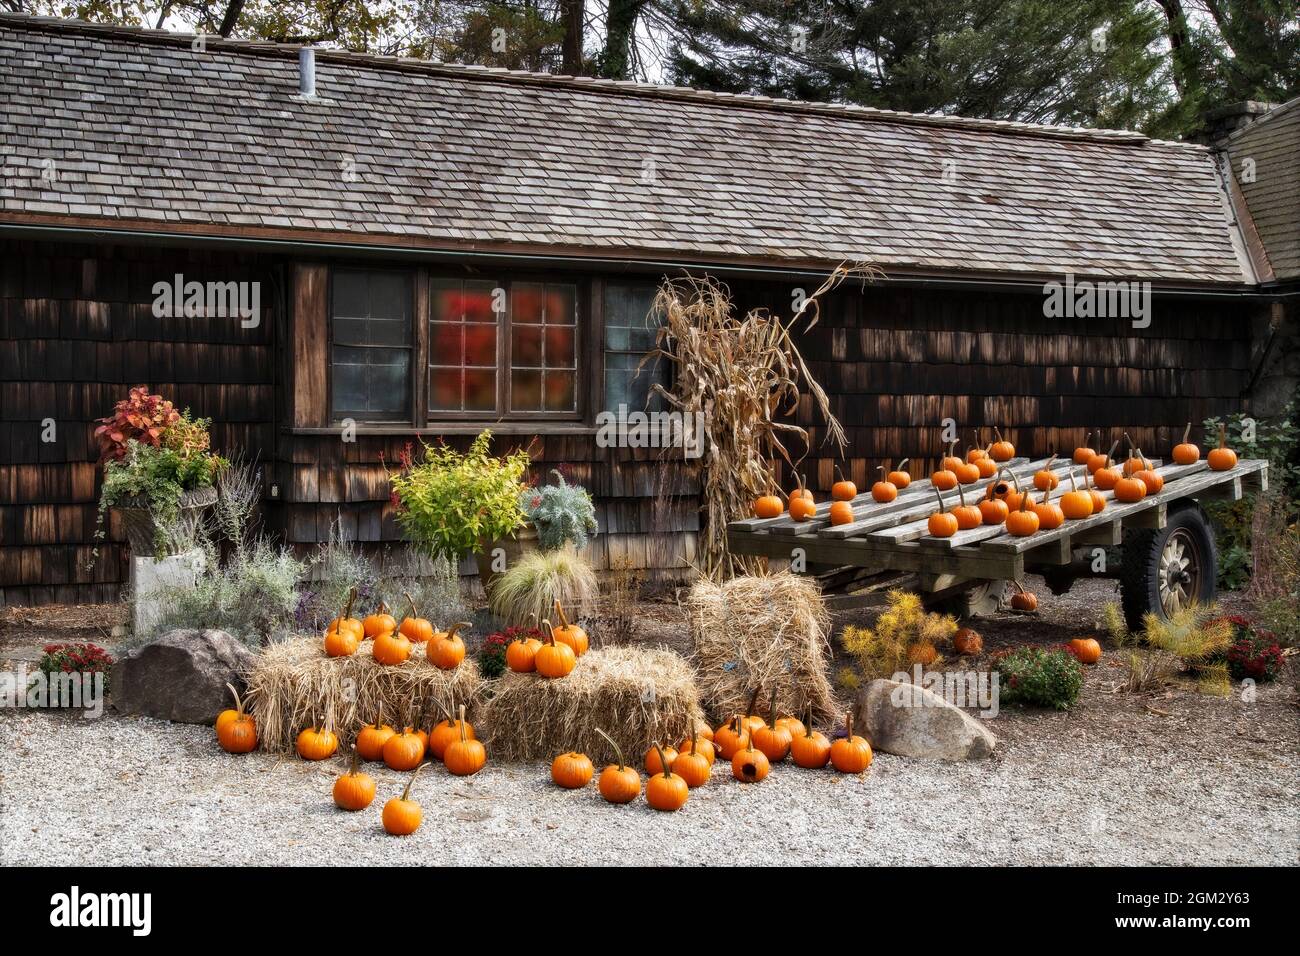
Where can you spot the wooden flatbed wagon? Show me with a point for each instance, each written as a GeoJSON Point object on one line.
{"type": "Point", "coordinates": [1160, 548]}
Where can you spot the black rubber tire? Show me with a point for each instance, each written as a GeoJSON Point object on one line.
{"type": "Point", "coordinates": [981, 600]}
{"type": "Point", "coordinates": [1140, 572]}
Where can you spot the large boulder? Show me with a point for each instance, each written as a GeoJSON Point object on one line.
{"type": "Point", "coordinates": [182, 676]}
{"type": "Point", "coordinates": [910, 721]}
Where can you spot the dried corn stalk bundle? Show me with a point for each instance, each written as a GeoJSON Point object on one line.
{"type": "Point", "coordinates": [741, 375]}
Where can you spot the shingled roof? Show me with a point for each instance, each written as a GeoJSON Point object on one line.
{"type": "Point", "coordinates": [1266, 161]}
{"type": "Point", "coordinates": [146, 133]}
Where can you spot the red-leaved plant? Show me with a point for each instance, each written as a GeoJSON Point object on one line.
{"type": "Point", "coordinates": [142, 416]}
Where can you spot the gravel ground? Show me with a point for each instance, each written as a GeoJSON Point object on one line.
{"type": "Point", "coordinates": [140, 791]}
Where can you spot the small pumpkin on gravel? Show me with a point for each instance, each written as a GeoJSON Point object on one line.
{"type": "Point", "coordinates": [850, 754]}
{"type": "Point", "coordinates": [692, 765]}
{"type": "Point", "coordinates": [404, 751]}
{"type": "Point", "coordinates": [729, 738]}
{"type": "Point", "coordinates": [466, 756]}
{"type": "Point", "coordinates": [750, 765]}
{"type": "Point", "coordinates": [372, 737]}
{"type": "Point", "coordinates": [572, 770]}
{"type": "Point", "coordinates": [446, 732]}
{"type": "Point", "coordinates": [967, 641]}
{"type": "Point", "coordinates": [618, 783]}
{"type": "Point", "coordinates": [317, 743]}
{"type": "Point", "coordinates": [354, 790]}
{"type": "Point", "coordinates": [654, 755]}
{"type": "Point", "coordinates": [1024, 600]}
{"type": "Point", "coordinates": [1085, 649]}
{"type": "Point", "coordinates": [811, 750]}
{"type": "Point", "coordinates": [666, 790]}
{"type": "Point", "coordinates": [402, 816]}
{"type": "Point", "coordinates": [236, 729]}
{"type": "Point", "coordinates": [772, 739]}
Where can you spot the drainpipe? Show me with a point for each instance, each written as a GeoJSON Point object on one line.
{"type": "Point", "coordinates": [306, 71]}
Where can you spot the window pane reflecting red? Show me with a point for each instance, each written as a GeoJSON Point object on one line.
{"type": "Point", "coordinates": [559, 346]}
{"type": "Point", "coordinates": [479, 297]}
{"type": "Point", "coordinates": [561, 305]}
{"type": "Point", "coordinates": [445, 344]}
{"type": "Point", "coordinates": [526, 302]}
{"type": "Point", "coordinates": [526, 347]}
{"type": "Point", "coordinates": [444, 389]}
{"type": "Point", "coordinates": [481, 345]}
{"type": "Point", "coordinates": [480, 390]}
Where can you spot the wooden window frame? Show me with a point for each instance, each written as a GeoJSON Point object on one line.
{"type": "Point", "coordinates": [589, 375]}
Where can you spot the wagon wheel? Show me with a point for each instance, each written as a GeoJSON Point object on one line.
{"type": "Point", "coordinates": [980, 600]}
{"type": "Point", "coordinates": [1164, 571]}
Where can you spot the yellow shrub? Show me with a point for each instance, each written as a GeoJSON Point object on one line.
{"type": "Point", "coordinates": [883, 650]}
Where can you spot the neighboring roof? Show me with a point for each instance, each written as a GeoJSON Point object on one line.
{"type": "Point", "coordinates": [148, 134]}
{"type": "Point", "coordinates": [1266, 164]}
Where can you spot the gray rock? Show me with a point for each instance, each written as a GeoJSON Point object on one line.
{"type": "Point", "coordinates": [910, 721]}
{"type": "Point", "coordinates": [182, 676]}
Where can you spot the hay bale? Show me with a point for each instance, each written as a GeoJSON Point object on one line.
{"type": "Point", "coordinates": [293, 681]}
{"type": "Point", "coordinates": [636, 695]}
{"type": "Point", "coordinates": [757, 633]}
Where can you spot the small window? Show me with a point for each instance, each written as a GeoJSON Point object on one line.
{"type": "Point", "coordinates": [371, 327]}
{"type": "Point", "coordinates": [630, 330]}
{"type": "Point", "coordinates": [543, 347]}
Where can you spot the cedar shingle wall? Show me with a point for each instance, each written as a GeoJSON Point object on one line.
{"type": "Point", "coordinates": [76, 332]}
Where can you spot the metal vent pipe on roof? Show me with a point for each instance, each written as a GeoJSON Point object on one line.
{"type": "Point", "coordinates": [307, 71]}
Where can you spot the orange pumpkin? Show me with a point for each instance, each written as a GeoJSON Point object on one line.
{"type": "Point", "coordinates": [1076, 503]}
{"type": "Point", "coordinates": [236, 729]}
{"type": "Point", "coordinates": [571, 634]}
{"type": "Point", "coordinates": [944, 480]}
{"type": "Point", "coordinates": [942, 524]}
{"type": "Point", "coordinates": [843, 490]}
{"type": "Point", "coordinates": [553, 659]}
{"type": "Point", "coordinates": [666, 790]}
{"type": "Point", "coordinates": [354, 790]}
{"type": "Point", "coordinates": [923, 653]}
{"type": "Point", "coordinates": [1135, 462]}
{"type": "Point", "coordinates": [466, 756]}
{"type": "Point", "coordinates": [699, 744]}
{"type": "Point", "coordinates": [317, 743]}
{"type": "Point", "coordinates": [841, 513]}
{"type": "Point", "coordinates": [850, 754]}
{"type": "Point", "coordinates": [1022, 522]}
{"type": "Point", "coordinates": [801, 509]}
{"type": "Point", "coordinates": [391, 649]}
{"type": "Point", "coordinates": [404, 751]}
{"type": "Point", "coordinates": [768, 506]}
{"type": "Point", "coordinates": [1151, 478]}
{"type": "Point", "coordinates": [730, 738]}
{"type": "Point", "coordinates": [968, 516]}
{"type": "Point", "coordinates": [993, 511]}
{"type": "Point", "coordinates": [750, 765]}
{"type": "Point", "coordinates": [346, 622]}
{"type": "Point", "coordinates": [521, 654]}
{"type": "Point", "coordinates": [810, 750]}
{"type": "Point", "coordinates": [415, 629]}
{"type": "Point", "coordinates": [402, 816]}
{"type": "Point", "coordinates": [1001, 450]}
{"type": "Point", "coordinates": [884, 490]}
{"type": "Point", "coordinates": [1130, 489]}
{"type": "Point", "coordinates": [899, 477]}
{"type": "Point", "coordinates": [1084, 453]}
{"type": "Point", "coordinates": [379, 622]}
{"type": "Point", "coordinates": [445, 649]}
{"type": "Point", "coordinates": [1024, 600]}
{"type": "Point", "coordinates": [1185, 453]}
{"type": "Point", "coordinates": [654, 756]}
{"type": "Point", "coordinates": [1045, 479]}
{"type": "Point", "coordinates": [572, 771]}
{"type": "Point", "coordinates": [1086, 649]}
{"type": "Point", "coordinates": [1098, 500]}
{"type": "Point", "coordinates": [1222, 458]}
{"type": "Point", "coordinates": [621, 783]}
{"type": "Point", "coordinates": [693, 765]}
{"type": "Point", "coordinates": [986, 465]}
{"type": "Point", "coordinates": [949, 462]}
{"type": "Point", "coordinates": [372, 737]}
{"type": "Point", "coordinates": [967, 641]}
{"type": "Point", "coordinates": [446, 732]}
{"type": "Point", "coordinates": [773, 739]}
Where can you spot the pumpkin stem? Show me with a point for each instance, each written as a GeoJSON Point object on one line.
{"type": "Point", "coordinates": [347, 608]}
{"type": "Point", "coordinates": [753, 701]}
{"type": "Point", "coordinates": [938, 496]}
{"type": "Point", "coordinates": [451, 631]}
{"type": "Point", "coordinates": [848, 725]}
{"type": "Point", "coordinates": [354, 763]}
{"type": "Point", "coordinates": [548, 631]}
{"type": "Point", "coordinates": [411, 601]}
{"type": "Point", "coordinates": [559, 612]}
{"type": "Point", "coordinates": [1111, 453]}
{"type": "Point", "coordinates": [771, 709]}
{"type": "Point", "coordinates": [1085, 439]}
{"type": "Point", "coordinates": [808, 727]}
{"type": "Point", "coordinates": [961, 495]}
{"type": "Point", "coordinates": [463, 736]}
{"type": "Point", "coordinates": [693, 735]}
{"type": "Point", "coordinates": [618, 751]}
{"type": "Point", "coordinates": [1187, 432]}
{"type": "Point", "coordinates": [997, 434]}
{"type": "Point", "coordinates": [239, 704]}
{"type": "Point", "coordinates": [902, 463]}
{"type": "Point", "coordinates": [663, 762]}
{"type": "Point", "coordinates": [1073, 485]}
{"type": "Point", "coordinates": [406, 792]}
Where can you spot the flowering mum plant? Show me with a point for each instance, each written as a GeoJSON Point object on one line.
{"type": "Point", "coordinates": [1255, 652]}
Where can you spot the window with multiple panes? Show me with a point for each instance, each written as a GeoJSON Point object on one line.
{"type": "Point", "coordinates": [630, 329]}
{"type": "Point", "coordinates": [490, 348]}
{"type": "Point", "coordinates": [371, 331]}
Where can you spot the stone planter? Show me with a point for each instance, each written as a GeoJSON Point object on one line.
{"type": "Point", "coordinates": [511, 550]}
{"type": "Point", "coordinates": [138, 520]}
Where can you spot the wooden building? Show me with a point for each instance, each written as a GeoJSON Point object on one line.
{"type": "Point", "coordinates": [437, 249]}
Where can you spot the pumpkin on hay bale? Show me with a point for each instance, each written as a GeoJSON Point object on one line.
{"type": "Point", "coordinates": [758, 634]}
{"type": "Point", "coordinates": [638, 695]}
{"type": "Point", "coordinates": [294, 683]}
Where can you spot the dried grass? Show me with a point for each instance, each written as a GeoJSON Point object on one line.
{"type": "Point", "coordinates": [759, 633]}
{"type": "Point", "coordinates": [637, 695]}
{"type": "Point", "coordinates": [293, 683]}
{"type": "Point", "coordinates": [526, 592]}
{"type": "Point", "coordinates": [741, 376]}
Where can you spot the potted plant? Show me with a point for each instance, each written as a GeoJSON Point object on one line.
{"type": "Point", "coordinates": [158, 471]}
{"type": "Point", "coordinates": [563, 514]}
{"type": "Point", "coordinates": [451, 504]}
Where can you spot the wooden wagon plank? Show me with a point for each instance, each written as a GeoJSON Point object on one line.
{"type": "Point", "coordinates": [857, 551]}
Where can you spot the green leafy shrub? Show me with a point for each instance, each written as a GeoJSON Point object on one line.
{"type": "Point", "coordinates": [561, 513]}
{"type": "Point", "coordinates": [159, 477]}
{"type": "Point", "coordinates": [452, 504]}
{"type": "Point", "coordinates": [1033, 677]}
